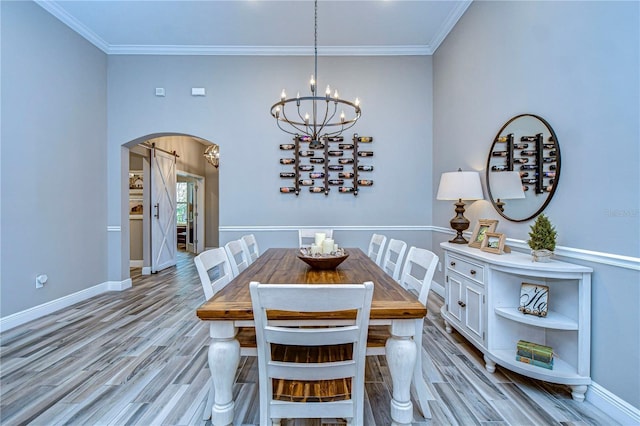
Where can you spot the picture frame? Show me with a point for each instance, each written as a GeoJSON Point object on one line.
{"type": "Point", "coordinates": [482, 227]}
{"type": "Point", "coordinates": [493, 242]}
{"type": "Point", "coordinates": [534, 299]}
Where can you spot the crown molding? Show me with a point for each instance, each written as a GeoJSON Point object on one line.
{"type": "Point", "coordinates": [53, 8]}
{"type": "Point", "coordinates": [269, 50]}
{"type": "Point", "coordinates": [449, 23]}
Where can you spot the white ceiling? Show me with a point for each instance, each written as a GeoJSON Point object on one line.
{"type": "Point", "coordinates": [261, 27]}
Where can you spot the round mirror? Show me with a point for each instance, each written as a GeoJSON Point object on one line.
{"type": "Point", "coordinates": [523, 167]}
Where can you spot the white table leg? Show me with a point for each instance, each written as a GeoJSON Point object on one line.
{"type": "Point", "coordinates": [401, 355]}
{"type": "Point", "coordinates": [224, 358]}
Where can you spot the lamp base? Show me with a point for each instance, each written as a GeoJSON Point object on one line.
{"type": "Point", "coordinates": [459, 223]}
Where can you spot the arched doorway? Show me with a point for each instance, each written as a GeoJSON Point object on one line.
{"type": "Point", "coordinates": [190, 166]}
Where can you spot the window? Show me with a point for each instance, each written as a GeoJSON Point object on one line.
{"type": "Point", "coordinates": [181, 203]}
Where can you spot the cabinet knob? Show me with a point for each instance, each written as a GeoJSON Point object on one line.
{"type": "Point", "coordinates": [452, 263]}
{"type": "Point", "coordinates": [473, 272]}
{"type": "Point", "coordinates": [461, 303]}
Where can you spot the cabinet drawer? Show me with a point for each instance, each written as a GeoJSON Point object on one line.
{"type": "Point", "coordinates": [466, 268]}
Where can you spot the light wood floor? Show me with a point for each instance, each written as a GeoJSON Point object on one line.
{"type": "Point", "coordinates": [139, 357]}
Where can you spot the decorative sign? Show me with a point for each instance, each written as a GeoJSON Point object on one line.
{"type": "Point", "coordinates": [534, 299]}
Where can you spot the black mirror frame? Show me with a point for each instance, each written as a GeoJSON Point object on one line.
{"type": "Point", "coordinates": [556, 178]}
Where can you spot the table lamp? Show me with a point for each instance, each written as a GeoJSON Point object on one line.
{"type": "Point", "coordinates": [505, 186]}
{"type": "Point", "coordinates": [459, 186]}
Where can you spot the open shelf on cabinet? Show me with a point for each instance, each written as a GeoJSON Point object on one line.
{"type": "Point", "coordinates": [553, 320]}
{"type": "Point", "coordinates": [562, 371]}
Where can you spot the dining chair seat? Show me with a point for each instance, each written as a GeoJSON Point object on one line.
{"type": "Point", "coordinates": [311, 372]}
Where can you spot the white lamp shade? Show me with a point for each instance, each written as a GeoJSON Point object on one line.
{"type": "Point", "coordinates": [460, 186]}
{"type": "Point", "coordinates": [506, 185]}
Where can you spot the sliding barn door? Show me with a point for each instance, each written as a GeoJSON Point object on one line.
{"type": "Point", "coordinates": [163, 210]}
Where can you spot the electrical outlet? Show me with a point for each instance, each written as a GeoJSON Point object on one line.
{"type": "Point", "coordinates": [41, 280]}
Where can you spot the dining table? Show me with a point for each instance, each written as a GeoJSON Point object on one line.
{"type": "Point", "coordinates": [230, 310]}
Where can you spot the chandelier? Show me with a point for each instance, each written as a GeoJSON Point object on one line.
{"type": "Point", "coordinates": [315, 116]}
{"type": "Point", "coordinates": [212, 155]}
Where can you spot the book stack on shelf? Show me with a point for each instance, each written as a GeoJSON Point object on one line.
{"type": "Point", "coordinates": [535, 354]}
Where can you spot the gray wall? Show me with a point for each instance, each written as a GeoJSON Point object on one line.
{"type": "Point", "coordinates": [54, 126]}
{"type": "Point", "coordinates": [397, 110]}
{"type": "Point", "coordinates": [576, 65]}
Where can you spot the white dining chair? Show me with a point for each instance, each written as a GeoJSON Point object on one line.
{"type": "Point", "coordinates": [376, 248]}
{"type": "Point", "coordinates": [251, 246]}
{"type": "Point", "coordinates": [289, 388]}
{"type": "Point", "coordinates": [307, 236]}
{"type": "Point", "coordinates": [237, 256]}
{"type": "Point", "coordinates": [393, 256]}
{"type": "Point", "coordinates": [214, 271]}
{"type": "Point", "coordinates": [417, 274]}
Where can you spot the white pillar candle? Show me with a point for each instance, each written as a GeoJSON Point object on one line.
{"type": "Point", "coordinates": [327, 245]}
{"type": "Point", "coordinates": [335, 247]}
{"type": "Point", "coordinates": [315, 249]}
{"type": "Point", "coordinates": [320, 236]}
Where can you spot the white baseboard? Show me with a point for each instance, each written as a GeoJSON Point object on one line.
{"type": "Point", "coordinates": [23, 317]}
{"type": "Point", "coordinates": [620, 410]}
{"type": "Point", "coordinates": [146, 270]}
{"type": "Point", "coordinates": [136, 263]}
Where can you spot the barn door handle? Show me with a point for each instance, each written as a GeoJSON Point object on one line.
{"type": "Point", "coordinates": [157, 207]}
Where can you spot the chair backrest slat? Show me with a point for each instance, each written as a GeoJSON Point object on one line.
{"type": "Point", "coordinates": [376, 248]}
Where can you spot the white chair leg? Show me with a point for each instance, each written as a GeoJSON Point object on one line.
{"type": "Point", "coordinates": [207, 408]}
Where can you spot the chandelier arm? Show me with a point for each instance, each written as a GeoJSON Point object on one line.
{"type": "Point", "coordinates": [291, 123]}
{"type": "Point", "coordinates": [325, 121]}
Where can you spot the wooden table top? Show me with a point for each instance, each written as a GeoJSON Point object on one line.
{"type": "Point", "coordinates": [282, 266]}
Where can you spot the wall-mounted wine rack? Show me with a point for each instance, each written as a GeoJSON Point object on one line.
{"type": "Point", "coordinates": [535, 159]}
{"type": "Point", "coordinates": [331, 163]}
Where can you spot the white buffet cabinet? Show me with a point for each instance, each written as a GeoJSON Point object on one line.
{"type": "Point", "coordinates": [482, 296]}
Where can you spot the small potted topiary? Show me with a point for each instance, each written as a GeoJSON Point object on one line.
{"type": "Point", "coordinates": [542, 239]}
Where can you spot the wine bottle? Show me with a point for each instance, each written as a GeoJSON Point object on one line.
{"type": "Point", "coordinates": [316, 189]}
{"type": "Point", "coordinates": [528, 153]}
{"type": "Point", "coordinates": [365, 168]}
{"type": "Point", "coordinates": [345, 146]}
{"type": "Point", "coordinates": [306, 182]}
{"type": "Point", "coordinates": [549, 174]}
{"type": "Point", "coordinates": [530, 180]}
{"type": "Point", "coordinates": [287, 189]}
{"type": "Point", "coordinates": [525, 188]}
{"type": "Point", "coordinates": [521, 160]}
{"type": "Point", "coordinates": [287, 160]}
{"type": "Point", "coordinates": [524, 174]}
{"type": "Point", "coordinates": [287, 174]}
{"type": "Point", "coordinates": [365, 153]}
{"type": "Point", "coordinates": [316, 175]}
{"type": "Point", "coordinates": [335, 138]}
{"type": "Point", "coordinates": [364, 139]}
{"type": "Point", "coordinates": [548, 160]}
{"type": "Point", "coordinates": [529, 138]}
{"type": "Point", "coordinates": [307, 153]}
{"type": "Point", "coordinates": [552, 181]}
{"type": "Point", "coordinates": [549, 145]}
{"type": "Point", "coordinates": [552, 167]}
{"type": "Point", "coordinates": [346, 175]}
{"type": "Point", "coordinates": [551, 153]}
{"type": "Point", "coordinates": [502, 138]}
{"type": "Point", "coordinates": [335, 167]}
{"type": "Point", "coordinates": [346, 189]}
{"type": "Point", "coordinates": [316, 160]}
{"type": "Point", "coordinates": [500, 153]}
{"type": "Point", "coordinates": [365, 182]}
{"type": "Point", "coordinates": [520, 145]}
{"type": "Point", "coordinates": [336, 153]}
{"type": "Point", "coordinates": [499, 168]}
{"type": "Point", "coordinates": [304, 138]}
{"type": "Point", "coordinates": [336, 181]}
{"type": "Point", "coordinates": [528, 167]}
{"type": "Point", "coordinates": [287, 146]}
{"type": "Point", "coordinates": [305, 168]}
{"type": "Point", "coordinates": [345, 160]}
